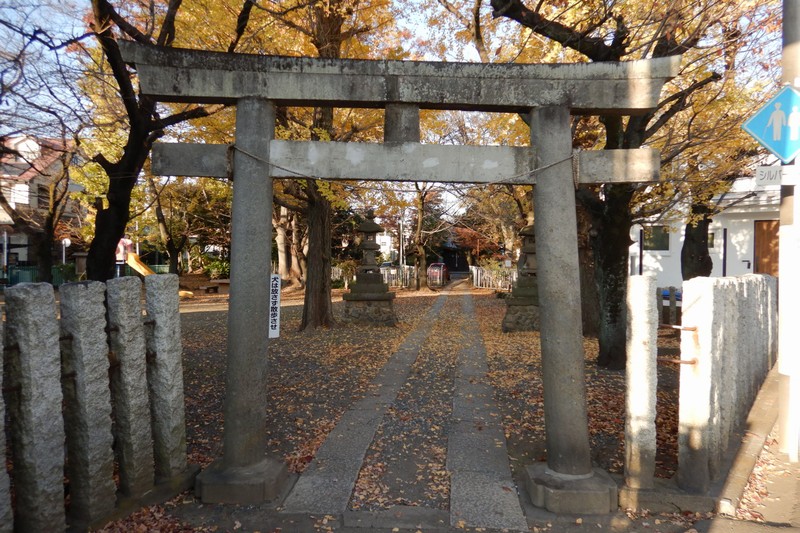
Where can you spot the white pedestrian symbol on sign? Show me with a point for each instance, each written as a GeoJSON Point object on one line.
{"type": "Point", "coordinates": [777, 120]}
{"type": "Point", "coordinates": [769, 125]}
{"type": "Point", "coordinates": [794, 124]}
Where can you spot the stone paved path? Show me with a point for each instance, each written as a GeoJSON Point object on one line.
{"type": "Point", "coordinates": [482, 492]}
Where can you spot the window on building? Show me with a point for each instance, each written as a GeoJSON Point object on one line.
{"type": "Point", "coordinates": [19, 194]}
{"type": "Point", "coordinates": [710, 239]}
{"type": "Point", "coordinates": [656, 238]}
{"type": "Point", "coordinates": [42, 197]}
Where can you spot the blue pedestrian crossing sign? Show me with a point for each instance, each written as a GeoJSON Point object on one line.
{"type": "Point", "coordinates": [777, 125]}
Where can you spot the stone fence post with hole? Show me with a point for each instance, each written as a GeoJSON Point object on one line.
{"type": "Point", "coordinates": [97, 390]}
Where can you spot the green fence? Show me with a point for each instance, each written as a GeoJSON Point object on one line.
{"type": "Point", "coordinates": [30, 274]}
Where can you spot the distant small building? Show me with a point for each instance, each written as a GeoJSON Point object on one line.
{"type": "Point", "coordinates": [28, 168]}
{"type": "Point", "coordinates": [388, 248]}
{"type": "Point", "coordinates": [743, 237]}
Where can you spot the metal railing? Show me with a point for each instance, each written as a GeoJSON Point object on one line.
{"type": "Point", "coordinates": [499, 279]}
{"type": "Point", "coordinates": [397, 276]}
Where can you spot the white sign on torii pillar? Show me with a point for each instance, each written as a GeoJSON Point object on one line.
{"type": "Point", "coordinates": [548, 93]}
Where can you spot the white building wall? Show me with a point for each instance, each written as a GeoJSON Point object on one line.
{"type": "Point", "coordinates": [386, 242]}
{"type": "Point", "coordinates": [739, 255]}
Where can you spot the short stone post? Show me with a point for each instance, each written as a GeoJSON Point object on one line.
{"type": "Point", "coordinates": [87, 403]}
{"type": "Point", "coordinates": [244, 474]}
{"type": "Point", "coordinates": [567, 483]}
{"type": "Point", "coordinates": [34, 405]}
{"type": "Point", "coordinates": [6, 516]}
{"type": "Point", "coordinates": [369, 300]}
{"type": "Point", "coordinates": [133, 428]}
{"type": "Point", "coordinates": [641, 383]}
{"type": "Point", "coordinates": [522, 307]}
{"type": "Point", "coordinates": [694, 409]}
{"type": "Point", "coordinates": [165, 375]}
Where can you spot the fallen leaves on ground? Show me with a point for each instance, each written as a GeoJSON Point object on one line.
{"type": "Point", "coordinates": [515, 372]}
{"type": "Point", "coordinates": [405, 465]}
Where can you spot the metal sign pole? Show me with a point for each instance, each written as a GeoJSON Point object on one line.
{"type": "Point", "coordinates": [789, 259]}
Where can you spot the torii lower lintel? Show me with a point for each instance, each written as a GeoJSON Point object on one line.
{"type": "Point", "coordinates": [404, 162]}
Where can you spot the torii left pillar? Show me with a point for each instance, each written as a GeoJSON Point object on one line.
{"type": "Point", "coordinates": [245, 474]}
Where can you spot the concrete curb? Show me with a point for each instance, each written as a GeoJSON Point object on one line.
{"type": "Point", "coordinates": [760, 422]}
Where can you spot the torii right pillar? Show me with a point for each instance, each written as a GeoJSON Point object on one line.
{"type": "Point", "coordinates": [567, 482]}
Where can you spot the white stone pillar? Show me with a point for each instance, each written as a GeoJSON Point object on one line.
{"type": "Point", "coordinates": [35, 400]}
{"type": "Point", "coordinates": [641, 383]}
{"type": "Point", "coordinates": [133, 428]}
{"type": "Point", "coordinates": [87, 402]}
{"type": "Point", "coordinates": [694, 405]}
{"type": "Point", "coordinates": [788, 261]}
{"type": "Point", "coordinates": [165, 375]}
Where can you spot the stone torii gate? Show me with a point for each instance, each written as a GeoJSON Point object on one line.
{"type": "Point", "coordinates": [547, 93]}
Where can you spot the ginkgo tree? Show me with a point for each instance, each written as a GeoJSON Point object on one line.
{"type": "Point", "coordinates": [328, 29]}
{"type": "Point", "coordinates": [726, 59]}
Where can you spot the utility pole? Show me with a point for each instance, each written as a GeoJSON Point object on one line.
{"type": "Point", "coordinates": [789, 259]}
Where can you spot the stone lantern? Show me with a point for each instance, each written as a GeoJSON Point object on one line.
{"type": "Point", "coordinates": [369, 299]}
{"type": "Point", "coordinates": [522, 307]}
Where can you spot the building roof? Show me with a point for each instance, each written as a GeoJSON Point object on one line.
{"type": "Point", "coordinates": [24, 158]}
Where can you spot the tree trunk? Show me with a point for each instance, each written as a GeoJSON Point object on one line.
{"type": "Point", "coordinates": [610, 243]}
{"type": "Point", "coordinates": [422, 268]}
{"type": "Point", "coordinates": [173, 249]}
{"type": "Point", "coordinates": [42, 246]}
{"type": "Point", "coordinates": [317, 308]}
{"type": "Point", "coordinates": [298, 269]}
{"type": "Point", "coordinates": [281, 223]}
{"type": "Point", "coordinates": [590, 299]}
{"type": "Point", "coordinates": [110, 223]}
{"type": "Point", "coordinates": [695, 259]}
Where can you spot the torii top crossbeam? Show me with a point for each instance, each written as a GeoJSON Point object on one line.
{"type": "Point", "coordinates": [181, 75]}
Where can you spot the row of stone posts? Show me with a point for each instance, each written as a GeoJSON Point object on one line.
{"type": "Point", "coordinates": [57, 390]}
{"type": "Point", "coordinates": [728, 345]}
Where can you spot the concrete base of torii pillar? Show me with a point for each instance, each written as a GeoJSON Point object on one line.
{"type": "Point", "coordinates": [593, 493]}
{"type": "Point", "coordinates": [251, 484]}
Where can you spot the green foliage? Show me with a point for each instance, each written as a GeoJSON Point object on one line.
{"type": "Point", "coordinates": [216, 268]}
{"type": "Point", "coordinates": [490, 263]}
{"type": "Point", "coordinates": [67, 271]}
{"type": "Point", "coordinates": [348, 267]}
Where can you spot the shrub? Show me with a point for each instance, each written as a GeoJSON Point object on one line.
{"type": "Point", "coordinates": [216, 268]}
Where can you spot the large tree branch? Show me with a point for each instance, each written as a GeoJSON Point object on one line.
{"type": "Point", "coordinates": [110, 14]}
{"type": "Point", "coordinates": [241, 24]}
{"type": "Point", "coordinates": [677, 103]}
{"type": "Point", "coordinates": [189, 114]}
{"type": "Point", "coordinates": [103, 15]}
{"type": "Point", "coordinates": [477, 33]}
{"type": "Point", "coordinates": [167, 33]}
{"type": "Point", "coordinates": [594, 48]}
